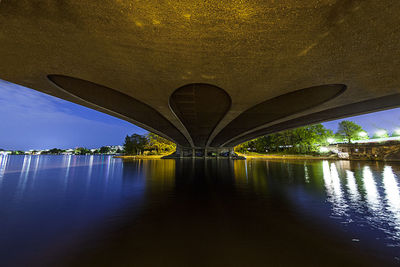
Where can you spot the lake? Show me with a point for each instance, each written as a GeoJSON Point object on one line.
{"type": "Point", "coordinates": [99, 211]}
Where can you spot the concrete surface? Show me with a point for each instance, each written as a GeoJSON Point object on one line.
{"type": "Point", "coordinates": [127, 58]}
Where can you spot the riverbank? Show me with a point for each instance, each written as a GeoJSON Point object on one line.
{"type": "Point", "coordinates": [141, 157]}
{"type": "Point", "coordinates": [254, 155]}
{"type": "Point", "coordinates": [245, 156]}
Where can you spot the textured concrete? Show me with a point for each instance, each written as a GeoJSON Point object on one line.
{"type": "Point", "coordinates": [255, 51]}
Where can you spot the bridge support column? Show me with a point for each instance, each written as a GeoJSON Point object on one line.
{"type": "Point", "coordinates": [231, 152]}
{"type": "Point", "coordinates": [181, 152]}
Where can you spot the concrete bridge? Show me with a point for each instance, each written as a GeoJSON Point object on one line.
{"type": "Point", "coordinates": [208, 74]}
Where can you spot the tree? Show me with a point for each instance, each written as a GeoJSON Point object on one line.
{"type": "Point", "coordinates": [158, 143]}
{"type": "Point", "coordinates": [243, 147]}
{"type": "Point", "coordinates": [300, 140]}
{"type": "Point", "coordinates": [81, 151]}
{"type": "Point", "coordinates": [104, 150]}
{"type": "Point", "coordinates": [134, 144]}
{"type": "Point", "coordinates": [17, 152]}
{"type": "Point", "coordinates": [349, 130]}
{"type": "Point", "coordinates": [54, 151]}
{"type": "Point", "coordinates": [396, 133]}
{"type": "Point", "coordinates": [382, 133]}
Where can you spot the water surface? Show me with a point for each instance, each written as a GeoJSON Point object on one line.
{"type": "Point", "coordinates": [100, 211]}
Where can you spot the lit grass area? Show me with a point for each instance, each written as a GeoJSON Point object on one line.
{"type": "Point", "coordinates": [251, 155]}
{"type": "Point", "coordinates": [143, 156]}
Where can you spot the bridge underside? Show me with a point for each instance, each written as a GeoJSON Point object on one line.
{"type": "Point", "coordinates": [208, 74]}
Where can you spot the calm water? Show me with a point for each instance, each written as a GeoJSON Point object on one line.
{"type": "Point", "coordinates": [100, 211]}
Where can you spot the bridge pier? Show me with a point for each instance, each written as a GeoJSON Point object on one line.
{"type": "Point", "coordinates": [220, 152]}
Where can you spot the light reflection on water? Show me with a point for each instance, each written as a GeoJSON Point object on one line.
{"type": "Point", "coordinates": [372, 195]}
{"type": "Point", "coordinates": [334, 189]}
{"type": "Point", "coordinates": [376, 206]}
{"type": "Point", "coordinates": [3, 165]}
{"type": "Point", "coordinates": [363, 197]}
{"type": "Point", "coordinates": [46, 199]}
{"type": "Point", "coordinates": [353, 189]}
{"type": "Point", "coordinates": [67, 195]}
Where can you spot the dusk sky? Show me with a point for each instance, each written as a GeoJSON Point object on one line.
{"type": "Point", "coordinates": [33, 120]}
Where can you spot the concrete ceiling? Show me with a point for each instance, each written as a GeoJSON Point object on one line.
{"type": "Point", "coordinates": [112, 55]}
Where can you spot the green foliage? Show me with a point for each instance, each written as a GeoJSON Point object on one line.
{"type": "Point", "coordinates": [381, 134]}
{"type": "Point", "coordinates": [159, 144]}
{"type": "Point", "coordinates": [104, 150]}
{"type": "Point", "coordinates": [152, 143]}
{"type": "Point", "coordinates": [349, 131]}
{"type": "Point", "coordinates": [244, 147]}
{"type": "Point", "coordinates": [300, 140]}
{"type": "Point", "coordinates": [81, 151]}
{"type": "Point", "coordinates": [395, 133]}
{"type": "Point", "coordinates": [54, 151]}
{"type": "Point", "coordinates": [134, 144]}
{"type": "Point", "coordinates": [17, 152]}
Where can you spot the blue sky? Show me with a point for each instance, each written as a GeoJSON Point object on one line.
{"type": "Point", "coordinates": [33, 120]}
{"type": "Point", "coordinates": [388, 120]}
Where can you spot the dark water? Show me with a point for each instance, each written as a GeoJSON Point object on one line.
{"type": "Point", "coordinates": [100, 211]}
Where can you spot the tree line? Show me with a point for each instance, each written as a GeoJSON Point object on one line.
{"type": "Point", "coordinates": [297, 141]}
{"type": "Point", "coordinates": [149, 144]}
{"type": "Point", "coordinates": [304, 140]}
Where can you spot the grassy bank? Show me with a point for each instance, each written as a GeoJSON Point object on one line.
{"type": "Point", "coordinates": [250, 155]}
{"type": "Point", "coordinates": [142, 156]}
{"type": "Point", "coordinates": [254, 155]}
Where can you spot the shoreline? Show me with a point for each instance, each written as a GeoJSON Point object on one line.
{"type": "Point", "coordinates": [141, 157]}
{"type": "Point", "coordinates": [289, 156]}
{"type": "Point", "coordinates": [309, 157]}
{"type": "Point", "coordinates": [261, 156]}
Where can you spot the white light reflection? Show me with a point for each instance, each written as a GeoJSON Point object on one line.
{"type": "Point", "coordinates": [392, 197]}
{"type": "Point", "coordinates": [67, 165]}
{"type": "Point", "coordinates": [333, 188]}
{"type": "Point", "coordinates": [35, 168]}
{"type": "Point", "coordinates": [108, 168]}
{"type": "Point", "coordinates": [23, 178]}
{"type": "Point", "coordinates": [69, 157]}
{"type": "Point", "coordinates": [245, 166]}
{"type": "Point", "coordinates": [90, 167]}
{"type": "Point", "coordinates": [306, 176]}
{"type": "Point", "coordinates": [372, 195]}
{"type": "Point", "coordinates": [113, 166]}
{"type": "Point", "coordinates": [3, 164]}
{"type": "Point", "coordinates": [352, 187]}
